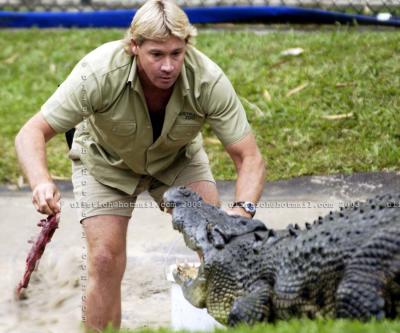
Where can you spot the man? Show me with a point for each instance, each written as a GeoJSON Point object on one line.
{"type": "Point", "coordinates": [138, 105]}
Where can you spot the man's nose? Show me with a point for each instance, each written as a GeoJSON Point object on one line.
{"type": "Point", "coordinates": [167, 65]}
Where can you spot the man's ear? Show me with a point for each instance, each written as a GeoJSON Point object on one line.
{"type": "Point", "coordinates": [134, 47]}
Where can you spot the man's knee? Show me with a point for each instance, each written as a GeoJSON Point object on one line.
{"type": "Point", "coordinates": [106, 239]}
{"type": "Point", "coordinates": [106, 263]}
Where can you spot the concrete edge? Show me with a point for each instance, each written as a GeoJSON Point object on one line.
{"type": "Point", "coordinates": [347, 186]}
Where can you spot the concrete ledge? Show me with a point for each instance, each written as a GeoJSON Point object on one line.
{"type": "Point", "coordinates": [346, 186]}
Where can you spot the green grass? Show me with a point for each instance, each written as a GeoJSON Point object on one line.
{"type": "Point", "coordinates": [342, 71]}
{"type": "Point", "coordinates": [301, 326]}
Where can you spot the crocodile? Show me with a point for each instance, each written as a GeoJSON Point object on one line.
{"type": "Point", "coordinates": [344, 265]}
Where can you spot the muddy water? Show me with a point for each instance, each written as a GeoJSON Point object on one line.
{"type": "Point", "coordinates": [54, 296]}
{"type": "Point", "coordinates": [51, 303]}
{"type": "Point", "coordinates": [52, 299]}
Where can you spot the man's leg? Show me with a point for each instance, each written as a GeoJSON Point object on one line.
{"type": "Point", "coordinates": [106, 241]}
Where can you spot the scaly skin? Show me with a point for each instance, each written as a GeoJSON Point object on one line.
{"type": "Point", "coordinates": [346, 265]}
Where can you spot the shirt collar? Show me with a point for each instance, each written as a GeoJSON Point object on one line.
{"type": "Point", "coordinates": [184, 80]}
{"type": "Point", "coordinates": [132, 77]}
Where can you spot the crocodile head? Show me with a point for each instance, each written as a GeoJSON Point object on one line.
{"type": "Point", "coordinates": [202, 225]}
{"type": "Point", "coordinates": [222, 242]}
{"type": "Point", "coordinates": [210, 232]}
{"type": "Point", "coordinates": [188, 217]}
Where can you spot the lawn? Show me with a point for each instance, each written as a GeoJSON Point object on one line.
{"type": "Point", "coordinates": [332, 109]}
{"type": "Point", "coordinates": [299, 326]}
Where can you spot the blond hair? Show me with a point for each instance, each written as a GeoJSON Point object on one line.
{"type": "Point", "coordinates": [159, 20]}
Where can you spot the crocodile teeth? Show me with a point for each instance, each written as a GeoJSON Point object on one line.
{"type": "Point", "coordinates": [187, 270]}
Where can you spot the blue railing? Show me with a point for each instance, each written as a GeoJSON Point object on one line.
{"type": "Point", "coordinates": [221, 14]}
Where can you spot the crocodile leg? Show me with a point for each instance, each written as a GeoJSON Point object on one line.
{"type": "Point", "coordinates": [363, 290]}
{"type": "Point", "coordinates": [251, 308]}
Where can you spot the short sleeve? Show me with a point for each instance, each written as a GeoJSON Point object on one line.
{"type": "Point", "coordinates": [225, 113]}
{"type": "Point", "coordinates": [77, 97]}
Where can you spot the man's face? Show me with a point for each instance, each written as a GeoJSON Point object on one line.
{"type": "Point", "coordinates": [160, 61]}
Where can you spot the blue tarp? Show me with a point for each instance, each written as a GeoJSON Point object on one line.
{"type": "Point", "coordinates": [223, 14]}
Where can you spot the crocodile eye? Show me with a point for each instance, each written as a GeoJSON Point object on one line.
{"type": "Point", "coordinates": [215, 237]}
{"type": "Point", "coordinates": [208, 232]}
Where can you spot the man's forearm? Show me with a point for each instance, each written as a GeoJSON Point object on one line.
{"type": "Point", "coordinates": [250, 181]}
{"type": "Point", "coordinates": [30, 145]}
{"type": "Point", "coordinates": [31, 152]}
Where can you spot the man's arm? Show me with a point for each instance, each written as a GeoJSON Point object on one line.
{"type": "Point", "coordinates": [250, 169]}
{"type": "Point", "coordinates": [30, 145]}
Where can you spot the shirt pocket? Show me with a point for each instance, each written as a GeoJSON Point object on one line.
{"type": "Point", "coordinates": [117, 137]}
{"type": "Point", "coordinates": [183, 132]}
{"type": "Point", "coordinates": [123, 128]}
{"type": "Point", "coordinates": [109, 127]}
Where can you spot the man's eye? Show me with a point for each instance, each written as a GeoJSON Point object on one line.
{"type": "Point", "coordinates": [156, 55]}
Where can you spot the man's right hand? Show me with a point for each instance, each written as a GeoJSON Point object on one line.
{"type": "Point", "coordinates": [46, 198]}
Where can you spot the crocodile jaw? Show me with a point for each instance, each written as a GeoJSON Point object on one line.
{"type": "Point", "coordinates": [194, 288]}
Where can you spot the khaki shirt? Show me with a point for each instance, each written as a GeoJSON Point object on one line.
{"type": "Point", "coordinates": [103, 97]}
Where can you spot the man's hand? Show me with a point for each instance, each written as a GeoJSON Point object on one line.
{"type": "Point", "coordinates": [46, 198]}
{"type": "Point", "coordinates": [238, 211]}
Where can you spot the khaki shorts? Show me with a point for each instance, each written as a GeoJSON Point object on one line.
{"type": "Point", "coordinates": [93, 198]}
